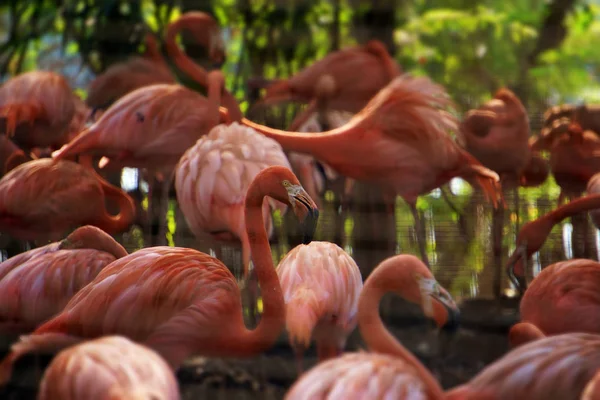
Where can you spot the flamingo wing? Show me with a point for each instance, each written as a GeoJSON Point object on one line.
{"type": "Point", "coordinates": [136, 294]}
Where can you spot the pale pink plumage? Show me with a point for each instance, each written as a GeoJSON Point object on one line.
{"type": "Point", "coordinates": [357, 376]}
{"type": "Point", "coordinates": [321, 284]}
{"type": "Point", "coordinates": [213, 176]}
{"type": "Point", "coordinates": [111, 367]}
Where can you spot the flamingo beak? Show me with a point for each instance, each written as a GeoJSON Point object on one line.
{"type": "Point", "coordinates": [452, 310]}
{"type": "Point", "coordinates": [432, 292]}
{"type": "Point", "coordinates": [305, 209]}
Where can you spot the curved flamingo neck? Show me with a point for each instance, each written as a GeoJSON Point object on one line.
{"type": "Point", "coordinates": [187, 65]}
{"type": "Point", "coordinates": [320, 144]}
{"type": "Point", "coordinates": [272, 321]}
{"type": "Point", "coordinates": [374, 332]}
{"type": "Point", "coordinates": [183, 62]}
{"type": "Point", "coordinates": [121, 221]}
{"type": "Point", "coordinates": [574, 207]}
{"type": "Point", "coordinates": [152, 51]}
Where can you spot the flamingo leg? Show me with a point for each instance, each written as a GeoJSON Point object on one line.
{"type": "Point", "coordinates": [419, 228]}
{"type": "Point", "coordinates": [163, 208]}
{"type": "Point", "coordinates": [462, 225]}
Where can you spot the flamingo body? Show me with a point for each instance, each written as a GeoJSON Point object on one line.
{"type": "Point", "coordinates": [213, 176]}
{"type": "Point", "coordinates": [564, 297]}
{"type": "Point", "coordinates": [556, 367]}
{"type": "Point", "coordinates": [356, 376]}
{"type": "Point", "coordinates": [497, 134]}
{"type": "Point", "coordinates": [359, 73]}
{"type": "Point", "coordinates": [38, 107]}
{"type": "Point", "coordinates": [150, 127]}
{"type": "Point", "coordinates": [321, 284]}
{"type": "Point", "coordinates": [44, 198]}
{"type": "Point", "coordinates": [111, 367]}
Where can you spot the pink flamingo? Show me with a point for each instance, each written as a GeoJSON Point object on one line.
{"type": "Point", "coordinates": [111, 367]}
{"type": "Point", "coordinates": [562, 298]}
{"type": "Point", "coordinates": [533, 234]}
{"type": "Point", "coordinates": [151, 68]}
{"type": "Point", "coordinates": [556, 367]}
{"type": "Point", "coordinates": [399, 141]}
{"type": "Point", "coordinates": [213, 176]}
{"type": "Point", "coordinates": [391, 371]}
{"type": "Point", "coordinates": [359, 73]}
{"type": "Point", "coordinates": [321, 284]}
{"type": "Point", "coordinates": [42, 199]}
{"type": "Point", "coordinates": [37, 108]}
{"type": "Point", "coordinates": [180, 301]}
{"type": "Point", "coordinates": [36, 285]}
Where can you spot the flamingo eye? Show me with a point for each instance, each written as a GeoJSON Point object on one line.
{"type": "Point", "coordinates": [287, 183]}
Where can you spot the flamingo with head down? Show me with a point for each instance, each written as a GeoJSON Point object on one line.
{"type": "Point", "coordinates": [399, 141]}
{"type": "Point", "coordinates": [390, 371]}
{"type": "Point", "coordinates": [321, 284]}
{"type": "Point", "coordinates": [180, 301]}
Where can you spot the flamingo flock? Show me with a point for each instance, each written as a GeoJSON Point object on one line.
{"type": "Point", "coordinates": [122, 323]}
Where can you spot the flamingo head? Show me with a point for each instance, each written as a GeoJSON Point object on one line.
{"type": "Point", "coordinates": [304, 207]}
{"type": "Point", "coordinates": [437, 303]}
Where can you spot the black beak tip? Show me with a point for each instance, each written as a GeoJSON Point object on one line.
{"type": "Point", "coordinates": [453, 322]}
{"type": "Point", "coordinates": [309, 226]}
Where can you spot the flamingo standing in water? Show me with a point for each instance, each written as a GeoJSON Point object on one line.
{"type": "Point", "coordinates": [321, 284]}
{"type": "Point", "coordinates": [564, 297]}
{"type": "Point", "coordinates": [180, 301]}
{"type": "Point", "coordinates": [37, 108]}
{"type": "Point", "coordinates": [111, 367]}
{"type": "Point", "coordinates": [42, 199]}
{"type": "Point", "coordinates": [213, 176]}
{"type": "Point", "coordinates": [556, 367]}
{"type": "Point", "coordinates": [400, 141]}
{"type": "Point", "coordinates": [533, 234]}
{"type": "Point", "coordinates": [359, 72]}
{"type": "Point", "coordinates": [391, 371]}
{"type": "Point", "coordinates": [36, 285]}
